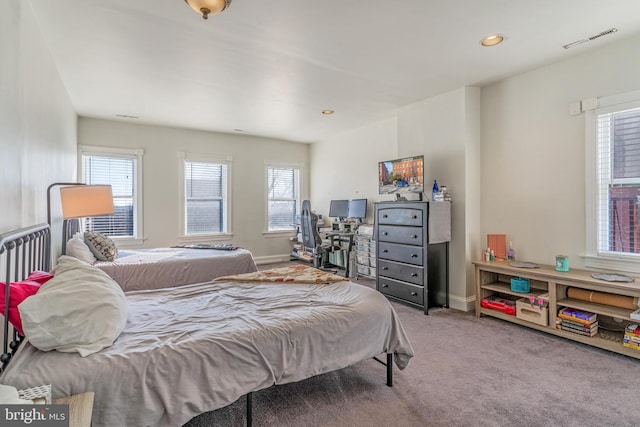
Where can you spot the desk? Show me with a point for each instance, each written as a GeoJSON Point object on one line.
{"type": "Point", "coordinates": [342, 237]}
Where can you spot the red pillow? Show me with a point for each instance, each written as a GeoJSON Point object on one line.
{"type": "Point", "coordinates": [18, 292]}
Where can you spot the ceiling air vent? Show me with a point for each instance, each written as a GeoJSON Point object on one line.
{"type": "Point", "coordinates": [596, 36]}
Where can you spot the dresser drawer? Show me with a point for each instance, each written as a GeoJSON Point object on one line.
{"type": "Point", "coordinates": [402, 253]}
{"type": "Point", "coordinates": [405, 291]}
{"type": "Point", "coordinates": [400, 234]}
{"type": "Point", "coordinates": [407, 273]}
{"type": "Point", "coordinates": [402, 216]}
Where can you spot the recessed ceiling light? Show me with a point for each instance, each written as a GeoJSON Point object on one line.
{"type": "Point", "coordinates": [327, 112]}
{"type": "Point", "coordinates": [492, 40]}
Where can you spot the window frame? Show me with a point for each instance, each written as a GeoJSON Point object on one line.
{"type": "Point", "coordinates": [593, 258]}
{"type": "Point", "coordinates": [183, 237]}
{"type": "Point", "coordinates": [135, 154]}
{"type": "Point", "coordinates": [299, 168]}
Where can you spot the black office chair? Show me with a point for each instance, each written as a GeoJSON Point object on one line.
{"type": "Point", "coordinates": [311, 239]}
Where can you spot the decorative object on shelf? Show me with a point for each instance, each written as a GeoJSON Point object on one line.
{"type": "Point", "coordinates": [208, 7]}
{"type": "Point", "coordinates": [562, 263]}
{"type": "Point", "coordinates": [613, 277]}
{"type": "Point", "coordinates": [519, 284]}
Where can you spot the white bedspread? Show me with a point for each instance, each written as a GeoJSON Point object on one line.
{"type": "Point", "coordinates": [157, 268]}
{"type": "Point", "coordinates": [196, 348]}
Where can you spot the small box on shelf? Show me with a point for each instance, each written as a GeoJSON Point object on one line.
{"type": "Point", "coordinates": [534, 313]}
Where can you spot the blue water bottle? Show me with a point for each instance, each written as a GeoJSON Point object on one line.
{"type": "Point", "coordinates": [435, 190]}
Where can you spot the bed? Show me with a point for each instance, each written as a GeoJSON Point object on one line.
{"type": "Point", "coordinates": [157, 268]}
{"type": "Point", "coordinates": [195, 348]}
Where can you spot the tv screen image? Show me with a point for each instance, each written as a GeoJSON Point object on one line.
{"type": "Point", "coordinates": [401, 175]}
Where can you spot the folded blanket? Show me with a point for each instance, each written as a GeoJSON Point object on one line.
{"type": "Point", "coordinates": [292, 274]}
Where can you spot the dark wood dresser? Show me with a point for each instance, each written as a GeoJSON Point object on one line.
{"type": "Point", "coordinates": [409, 268]}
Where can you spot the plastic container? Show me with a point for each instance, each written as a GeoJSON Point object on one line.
{"type": "Point", "coordinates": [511, 254]}
{"type": "Point", "coordinates": [562, 263]}
{"type": "Point", "coordinates": [435, 190]}
{"type": "Point", "coordinates": [519, 284]}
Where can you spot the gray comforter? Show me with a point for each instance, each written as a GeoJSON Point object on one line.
{"type": "Point", "coordinates": [196, 348]}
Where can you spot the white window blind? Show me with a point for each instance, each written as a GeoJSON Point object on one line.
{"type": "Point", "coordinates": [119, 172]}
{"type": "Point", "coordinates": [205, 197]}
{"type": "Point", "coordinates": [282, 193]}
{"type": "Point", "coordinates": [618, 181]}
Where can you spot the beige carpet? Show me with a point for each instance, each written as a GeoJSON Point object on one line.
{"type": "Point", "coordinates": [466, 372]}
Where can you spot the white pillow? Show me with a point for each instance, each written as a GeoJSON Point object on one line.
{"type": "Point", "coordinates": [81, 310]}
{"type": "Point", "coordinates": [77, 248]}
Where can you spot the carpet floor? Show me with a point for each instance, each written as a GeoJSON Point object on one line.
{"type": "Point", "coordinates": [467, 371]}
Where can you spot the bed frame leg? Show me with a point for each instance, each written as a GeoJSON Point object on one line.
{"type": "Point", "coordinates": [390, 369]}
{"type": "Point", "coordinates": [249, 409]}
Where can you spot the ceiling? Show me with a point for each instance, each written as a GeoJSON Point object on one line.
{"type": "Point", "coordinates": [270, 68]}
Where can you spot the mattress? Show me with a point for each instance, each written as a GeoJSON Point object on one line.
{"type": "Point", "coordinates": [195, 348]}
{"type": "Point", "coordinates": [168, 267]}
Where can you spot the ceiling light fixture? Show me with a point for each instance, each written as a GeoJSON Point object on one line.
{"type": "Point", "coordinates": [208, 7]}
{"type": "Point", "coordinates": [492, 40]}
{"type": "Point", "coordinates": [327, 112]}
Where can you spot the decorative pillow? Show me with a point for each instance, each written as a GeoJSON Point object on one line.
{"type": "Point", "coordinates": [102, 246]}
{"type": "Point", "coordinates": [81, 310]}
{"type": "Point", "coordinates": [77, 248]}
{"type": "Point", "coordinates": [19, 291]}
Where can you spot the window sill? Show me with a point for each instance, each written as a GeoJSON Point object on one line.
{"type": "Point", "coordinates": [124, 242]}
{"type": "Point", "coordinates": [619, 264]}
{"type": "Point", "coordinates": [199, 238]}
{"type": "Point", "coordinates": [279, 233]}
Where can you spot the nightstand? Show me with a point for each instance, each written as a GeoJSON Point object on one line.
{"type": "Point", "coordinates": [80, 408]}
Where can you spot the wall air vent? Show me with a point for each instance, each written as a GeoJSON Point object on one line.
{"type": "Point", "coordinates": [596, 36]}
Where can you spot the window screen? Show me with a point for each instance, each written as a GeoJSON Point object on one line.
{"type": "Point", "coordinates": [119, 172]}
{"type": "Point", "coordinates": [282, 194]}
{"type": "Point", "coordinates": [205, 197]}
{"type": "Point", "coordinates": [618, 169]}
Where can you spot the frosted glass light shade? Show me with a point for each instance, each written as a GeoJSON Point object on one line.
{"type": "Point", "coordinates": [82, 201]}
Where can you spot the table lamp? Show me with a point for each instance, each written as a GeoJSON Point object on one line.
{"type": "Point", "coordinates": [83, 201]}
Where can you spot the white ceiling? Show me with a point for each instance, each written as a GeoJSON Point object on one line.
{"type": "Point", "coordinates": [270, 68]}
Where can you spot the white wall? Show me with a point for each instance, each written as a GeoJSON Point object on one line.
{"type": "Point", "coordinates": [533, 150]}
{"type": "Point", "coordinates": [161, 178]}
{"type": "Point", "coordinates": [444, 129]}
{"type": "Point", "coordinates": [37, 121]}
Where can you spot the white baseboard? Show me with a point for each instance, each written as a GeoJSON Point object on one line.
{"type": "Point", "coordinates": [462, 304]}
{"type": "Point", "coordinates": [261, 260]}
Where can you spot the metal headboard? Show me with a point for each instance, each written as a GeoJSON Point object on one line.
{"type": "Point", "coordinates": [21, 252]}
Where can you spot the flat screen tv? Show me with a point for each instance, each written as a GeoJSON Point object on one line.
{"type": "Point", "coordinates": [401, 175]}
{"type": "Point", "coordinates": [358, 208]}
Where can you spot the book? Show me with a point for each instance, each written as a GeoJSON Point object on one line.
{"type": "Point", "coordinates": [575, 324]}
{"type": "Point", "coordinates": [591, 333]}
{"type": "Point", "coordinates": [632, 328]}
{"type": "Point", "coordinates": [632, 338]}
{"type": "Point", "coordinates": [577, 315]}
{"type": "Point", "coordinates": [579, 327]}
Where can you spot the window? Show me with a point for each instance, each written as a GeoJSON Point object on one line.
{"type": "Point", "coordinates": [283, 196]}
{"type": "Point", "coordinates": [205, 201]}
{"type": "Point", "coordinates": [613, 197]}
{"type": "Point", "coordinates": [119, 168]}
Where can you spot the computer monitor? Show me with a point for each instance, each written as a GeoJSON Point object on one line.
{"type": "Point", "coordinates": [339, 209]}
{"type": "Point", "coordinates": [358, 208]}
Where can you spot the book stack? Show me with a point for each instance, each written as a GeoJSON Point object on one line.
{"type": "Point", "coordinates": [632, 336]}
{"type": "Point", "coordinates": [577, 321]}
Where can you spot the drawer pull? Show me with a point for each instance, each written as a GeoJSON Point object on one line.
{"type": "Point", "coordinates": [385, 286]}
{"type": "Point", "coordinates": [385, 268]}
{"type": "Point", "coordinates": [414, 294]}
{"type": "Point", "coordinates": [385, 216]}
{"type": "Point", "coordinates": [415, 217]}
{"type": "Point", "coordinates": [385, 233]}
{"type": "Point", "coordinates": [412, 274]}
{"type": "Point", "coordinates": [384, 251]}
{"type": "Point", "coordinates": [414, 255]}
{"type": "Point", "coordinates": [413, 236]}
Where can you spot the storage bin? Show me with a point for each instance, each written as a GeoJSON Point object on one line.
{"type": "Point", "coordinates": [363, 269]}
{"type": "Point", "coordinates": [372, 261]}
{"type": "Point", "coordinates": [532, 313]}
{"type": "Point", "coordinates": [519, 285]}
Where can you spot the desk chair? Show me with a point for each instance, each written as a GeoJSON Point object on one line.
{"type": "Point", "coordinates": [311, 239]}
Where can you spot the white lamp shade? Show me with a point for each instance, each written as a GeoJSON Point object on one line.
{"type": "Point", "coordinates": [82, 201]}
